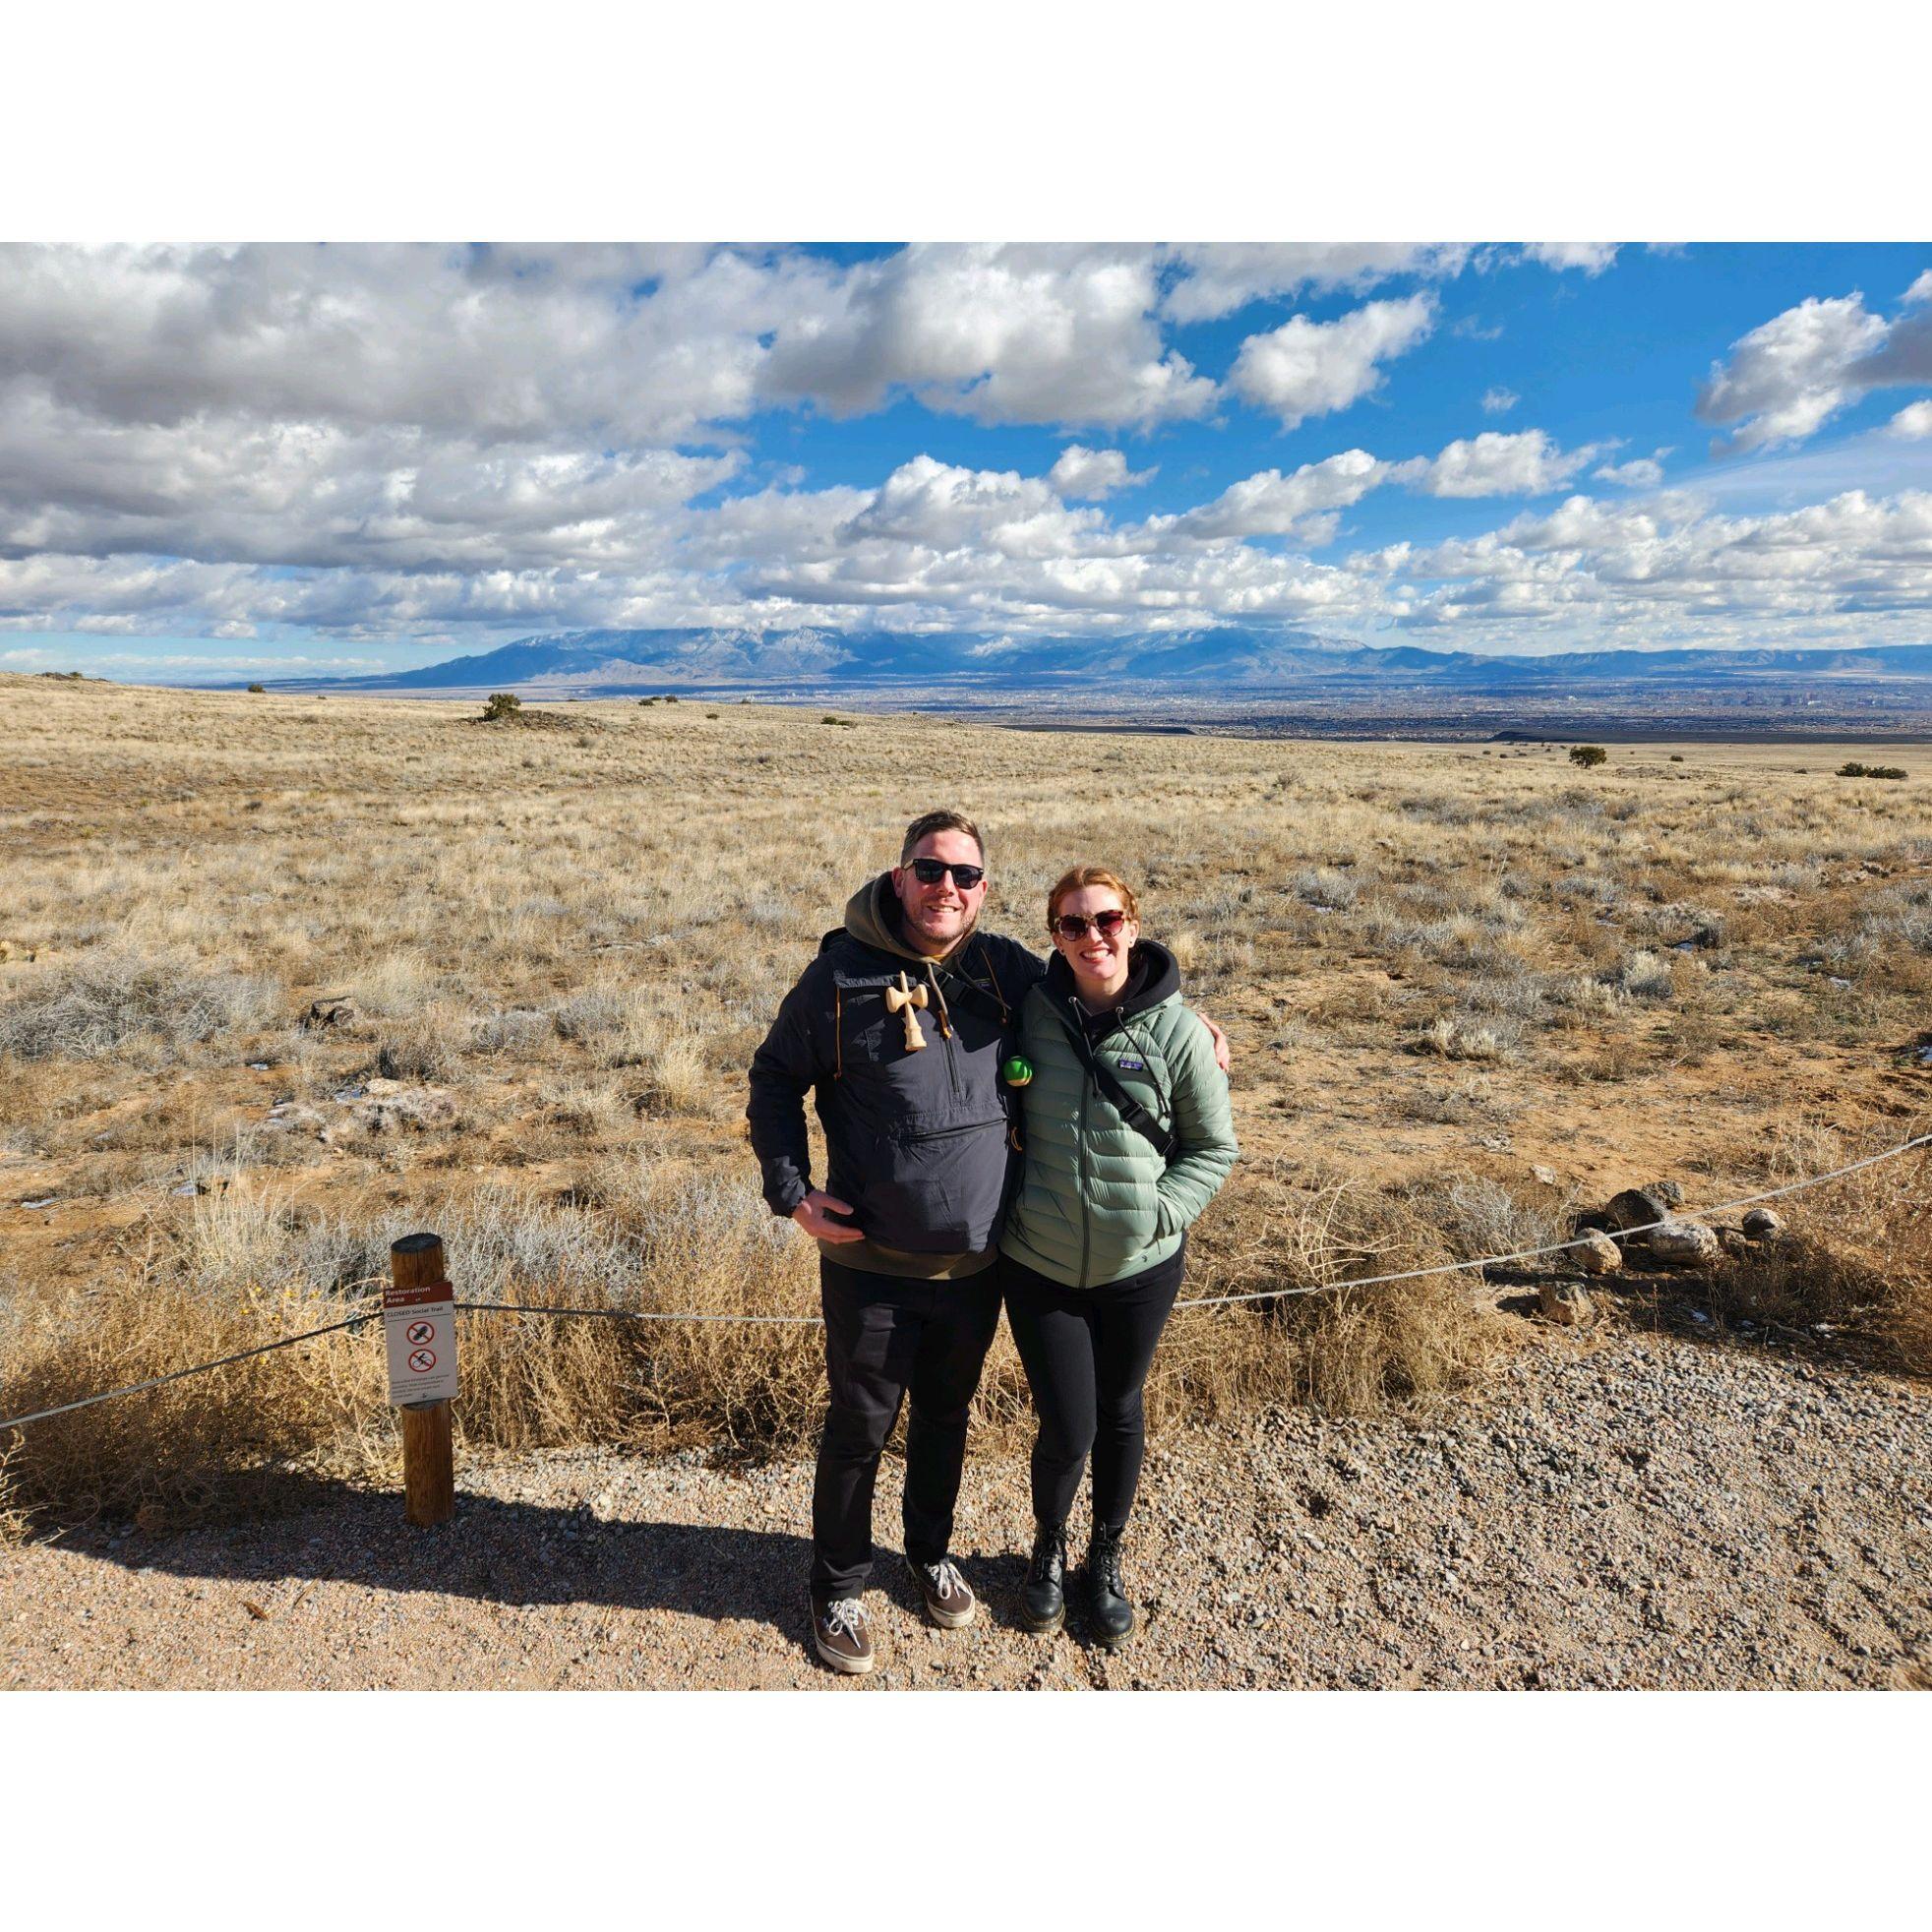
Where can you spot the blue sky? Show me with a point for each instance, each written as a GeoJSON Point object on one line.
{"type": "Point", "coordinates": [216, 462]}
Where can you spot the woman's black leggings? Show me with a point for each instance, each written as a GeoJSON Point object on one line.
{"type": "Point", "coordinates": [1087, 1352]}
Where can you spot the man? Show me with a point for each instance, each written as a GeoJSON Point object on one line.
{"type": "Point", "coordinates": [898, 1027]}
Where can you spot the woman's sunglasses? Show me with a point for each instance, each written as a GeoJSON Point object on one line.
{"type": "Point", "coordinates": [1071, 926]}
{"type": "Point", "coordinates": [928, 872]}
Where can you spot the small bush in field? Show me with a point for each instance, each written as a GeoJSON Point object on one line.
{"type": "Point", "coordinates": [1587, 755]}
{"type": "Point", "coordinates": [502, 704]}
{"type": "Point", "coordinates": [257, 690]}
{"type": "Point", "coordinates": [1851, 768]}
{"type": "Point", "coordinates": [107, 1000]}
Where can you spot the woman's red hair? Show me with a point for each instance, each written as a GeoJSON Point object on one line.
{"type": "Point", "coordinates": [1079, 876]}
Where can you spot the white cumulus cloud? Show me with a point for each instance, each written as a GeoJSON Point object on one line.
{"type": "Point", "coordinates": [1912, 422]}
{"type": "Point", "coordinates": [1640, 473]}
{"type": "Point", "coordinates": [1009, 335]}
{"type": "Point", "coordinates": [1528, 462]}
{"type": "Point", "coordinates": [1593, 257]}
{"type": "Point", "coordinates": [1093, 473]}
{"type": "Point", "coordinates": [1219, 277]}
{"type": "Point", "coordinates": [1790, 375]}
{"type": "Point", "coordinates": [1306, 368]}
{"type": "Point", "coordinates": [1270, 503]}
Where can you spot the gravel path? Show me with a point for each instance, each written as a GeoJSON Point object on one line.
{"type": "Point", "coordinates": [1644, 1511]}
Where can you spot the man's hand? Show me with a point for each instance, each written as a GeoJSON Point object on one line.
{"type": "Point", "coordinates": [810, 1215]}
{"type": "Point", "coordinates": [1220, 1042]}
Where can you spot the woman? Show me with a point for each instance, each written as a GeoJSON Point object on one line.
{"type": "Point", "coordinates": [1127, 1136]}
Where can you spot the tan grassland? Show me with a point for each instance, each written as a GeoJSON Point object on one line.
{"type": "Point", "coordinates": [1442, 968]}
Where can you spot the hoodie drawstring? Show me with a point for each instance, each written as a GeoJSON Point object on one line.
{"type": "Point", "coordinates": [939, 1000]}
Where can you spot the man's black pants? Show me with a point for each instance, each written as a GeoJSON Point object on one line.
{"type": "Point", "coordinates": [887, 1338]}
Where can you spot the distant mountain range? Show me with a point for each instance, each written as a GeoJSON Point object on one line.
{"type": "Point", "coordinates": [617, 663]}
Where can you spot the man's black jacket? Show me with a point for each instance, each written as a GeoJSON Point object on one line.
{"type": "Point", "coordinates": [916, 1141]}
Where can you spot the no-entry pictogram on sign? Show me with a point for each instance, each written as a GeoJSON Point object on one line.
{"type": "Point", "coordinates": [419, 1325]}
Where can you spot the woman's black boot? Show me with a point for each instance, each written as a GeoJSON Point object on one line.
{"type": "Point", "coordinates": [1042, 1599]}
{"type": "Point", "coordinates": [1111, 1612]}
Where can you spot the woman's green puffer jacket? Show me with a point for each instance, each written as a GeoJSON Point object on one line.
{"type": "Point", "coordinates": [1095, 1202]}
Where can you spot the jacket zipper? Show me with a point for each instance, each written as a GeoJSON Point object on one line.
{"type": "Point", "coordinates": [1120, 1017]}
{"type": "Point", "coordinates": [952, 1062]}
{"type": "Point", "coordinates": [946, 1133]}
{"type": "Point", "coordinates": [1086, 1214]}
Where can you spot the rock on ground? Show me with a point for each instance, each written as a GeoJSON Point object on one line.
{"type": "Point", "coordinates": [1639, 1511]}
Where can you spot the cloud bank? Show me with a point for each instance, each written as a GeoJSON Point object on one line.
{"type": "Point", "coordinates": [358, 444]}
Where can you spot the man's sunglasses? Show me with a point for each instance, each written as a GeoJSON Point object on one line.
{"type": "Point", "coordinates": [1071, 926]}
{"type": "Point", "coordinates": [928, 872]}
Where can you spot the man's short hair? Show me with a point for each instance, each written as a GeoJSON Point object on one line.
{"type": "Point", "coordinates": [924, 826]}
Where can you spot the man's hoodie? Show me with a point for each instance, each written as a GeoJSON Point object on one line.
{"type": "Point", "coordinates": [915, 1141]}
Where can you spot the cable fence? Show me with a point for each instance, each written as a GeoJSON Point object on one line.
{"type": "Point", "coordinates": [814, 1321]}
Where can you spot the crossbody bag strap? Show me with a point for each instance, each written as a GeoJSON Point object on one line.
{"type": "Point", "coordinates": [1161, 1139]}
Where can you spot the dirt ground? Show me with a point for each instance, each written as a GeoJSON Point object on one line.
{"type": "Point", "coordinates": [1472, 990]}
{"type": "Point", "coordinates": [1631, 1510]}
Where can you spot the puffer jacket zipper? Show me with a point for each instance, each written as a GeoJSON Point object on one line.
{"type": "Point", "coordinates": [1086, 1210]}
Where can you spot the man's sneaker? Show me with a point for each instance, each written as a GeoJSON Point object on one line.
{"type": "Point", "coordinates": [1042, 1596]}
{"type": "Point", "coordinates": [842, 1635]}
{"type": "Point", "coordinates": [1112, 1614]}
{"type": "Point", "coordinates": [947, 1596]}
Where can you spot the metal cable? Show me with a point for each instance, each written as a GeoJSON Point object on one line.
{"type": "Point", "coordinates": [627, 1314]}
{"type": "Point", "coordinates": [814, 1321]}
{"type": "Point", "coordinates": [1557, 1247]}
{"type": "Point", "coordinates": [175, 1375]}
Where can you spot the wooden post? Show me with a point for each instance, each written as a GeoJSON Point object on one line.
{"type": "Point", "coordinates": [429, 1474]}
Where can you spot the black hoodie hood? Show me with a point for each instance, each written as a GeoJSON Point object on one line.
{"type": "Point", "coordinates": [872, 917]}
{"type": "Point", "coordinates": [1153, 975]}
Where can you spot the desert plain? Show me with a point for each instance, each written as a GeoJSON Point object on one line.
{"type": "Point", "coordinates": [282, 977]}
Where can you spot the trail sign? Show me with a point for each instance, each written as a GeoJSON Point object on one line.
{"type": "Point", "coordinates": [419, 1325]}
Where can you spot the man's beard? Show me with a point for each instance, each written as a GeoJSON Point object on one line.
{"type": "Point", "coordinates": [958, 940]}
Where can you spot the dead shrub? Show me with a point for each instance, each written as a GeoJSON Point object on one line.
{"type": "Point", "coordinates": [1456, 1036]}
{"type": "Point", "coordinates": [1478, 1217]}
{"type": "Point", "coordinates": [418, 1053]}
{"type": "Point", "coordinates": [1853, 1267]}
{"type": "Point", "coordinates": [1346, 1351]}
{"type": "Point", "coordinates": [104, 1001]}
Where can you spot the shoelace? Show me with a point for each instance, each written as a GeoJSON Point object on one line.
{"type": "Point", "coordinates": [1046, 1554]}
{"type": "Point", "coordinates": [845, 1618]}
{"type": "Point", "coordinates": [1107, 1562]}
{"type": "Point", "coordinates": [946, 1579]}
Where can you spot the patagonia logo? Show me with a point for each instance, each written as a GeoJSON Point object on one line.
{"type": "Point", "coordinates": [1128, 1065]}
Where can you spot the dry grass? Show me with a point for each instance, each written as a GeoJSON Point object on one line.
{"type": "Point", "coordinates": [1438, 968]}
{"type": "Point", "coordinates": [249, 1266]}
{"type": "Point", "coordinates": [1853, 1267]}
{"type": "Point", "coordinates": [107, 1001]}
{"type": "Point", "coordinates": [1350, 1352]}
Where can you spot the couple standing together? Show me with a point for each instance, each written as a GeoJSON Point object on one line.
{"type": "Point", "coordinates": [996, 1127]}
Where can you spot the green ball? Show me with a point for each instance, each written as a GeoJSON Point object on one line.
{"type": "Point", "coordinates": [1018, 1071]}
